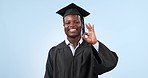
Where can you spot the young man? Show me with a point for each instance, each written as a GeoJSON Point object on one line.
{"type": "Point", "coordinates": [81, 55]}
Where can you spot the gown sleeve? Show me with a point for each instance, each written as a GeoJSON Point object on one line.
{"type": "Point", "coordinates": [104, 60]}
{"type": "Point", "coordinates": [49, 64]}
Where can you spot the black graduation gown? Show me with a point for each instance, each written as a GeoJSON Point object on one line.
{"type": "Point", "coordinates": [86, 63]}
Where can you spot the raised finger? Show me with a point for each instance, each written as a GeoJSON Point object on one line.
{"type": "Point", "coordinates": [88, 27]}
{"type": "Point", "coordinates": [91, 26]}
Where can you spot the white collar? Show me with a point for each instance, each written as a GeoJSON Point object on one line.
{"type": "Point", "coordinates": [67, 42]}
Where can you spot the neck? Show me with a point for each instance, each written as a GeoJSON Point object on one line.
{"type": "Point", "coordinates": [74, 41]}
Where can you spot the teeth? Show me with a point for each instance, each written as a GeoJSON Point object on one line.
{"type": "Point", "coordinates": [72, 30]}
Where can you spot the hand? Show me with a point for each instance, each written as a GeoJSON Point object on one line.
{"type": "Point", "coordinates": [90, 36]}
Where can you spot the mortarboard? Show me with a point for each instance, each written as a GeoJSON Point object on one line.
{"type": "Point", "coordinates": [72, 9]}
{"type": "Point", "coordinates": [76, 10]}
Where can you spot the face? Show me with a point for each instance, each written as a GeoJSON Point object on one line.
{"type": "Point", "coordinates": [72, 26]}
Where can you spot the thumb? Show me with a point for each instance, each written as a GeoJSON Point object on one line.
{"type": "Point", "coordinates": [85, 36]}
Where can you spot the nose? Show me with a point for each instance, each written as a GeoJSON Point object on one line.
{"type": "Point", "coordinates": [72, 24]}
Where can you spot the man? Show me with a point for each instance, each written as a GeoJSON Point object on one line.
{"type": "Point", "coordinates": [81, 55]}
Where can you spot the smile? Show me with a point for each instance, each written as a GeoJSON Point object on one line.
{"type": "Point", "coordinates": [72, 30]}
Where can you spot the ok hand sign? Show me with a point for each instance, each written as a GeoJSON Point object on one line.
{"type": "Point", "coordinates": [90, 36]}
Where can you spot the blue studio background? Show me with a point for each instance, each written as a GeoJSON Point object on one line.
{"type": "Point", "coordinates": [29, 28]}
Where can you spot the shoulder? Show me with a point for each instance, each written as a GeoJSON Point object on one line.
{"type": "Point", "coordinates": [55, 49]}
{"type": "Point", "coordinates": [60, 45]}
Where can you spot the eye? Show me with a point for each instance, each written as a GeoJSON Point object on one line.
{"type": "Point", "coordinates": [77, 22]}
{"type": "Point", "coordinates": [67, 22]}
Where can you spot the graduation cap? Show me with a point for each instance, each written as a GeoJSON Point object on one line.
{"type": "Point", "coordinates": [72, 9]}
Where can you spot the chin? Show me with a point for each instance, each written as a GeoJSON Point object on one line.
{"type": "Point", "coordinates": [73, 36]}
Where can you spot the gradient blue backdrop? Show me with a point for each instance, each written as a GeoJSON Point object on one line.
{"type": "Point", "coordinates": [29, 28]}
